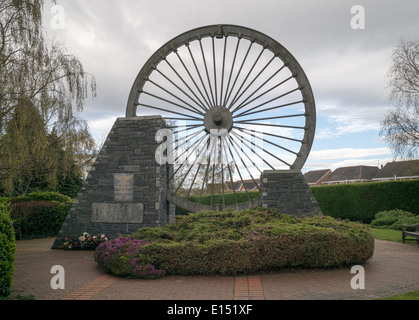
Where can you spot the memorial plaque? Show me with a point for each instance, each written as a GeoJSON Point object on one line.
{"type": "Point", "coordinates": [118, 212]}
{"type": "Point", "coordinates": [123, 186]}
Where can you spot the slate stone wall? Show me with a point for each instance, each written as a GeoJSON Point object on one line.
{"type": "Point", "coordinates": [288, 192]}
{"type": "Point", "coordinates": [126, 187]}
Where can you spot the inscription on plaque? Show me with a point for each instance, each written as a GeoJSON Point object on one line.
{"type": "Point", "coordinates": [123, 186]}
{"type": "Point", "coordinates": [118, 212]}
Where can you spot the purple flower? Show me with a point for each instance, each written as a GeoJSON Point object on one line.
{"type": "Point", "coordinates": [126, 247]}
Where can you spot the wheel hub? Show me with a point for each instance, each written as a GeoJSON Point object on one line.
{"type": "Point", "coordinates": [218, 118]}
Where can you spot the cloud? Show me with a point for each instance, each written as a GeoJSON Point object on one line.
{"type": "Point", "coordinates": [346, 68]}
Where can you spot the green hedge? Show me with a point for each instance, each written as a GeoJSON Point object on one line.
{"type": "Point", "coordinates": [38, 196]}
{"type": "Point", "coordinates": [39, 218]}
{"type": "Point", "coordinates": [231, 242]}
{"type": "Point", "coordinates": [361, 201]}
{"type": "Point", "coordinates": [39, 214]}
{"type": "Point", "coordinates": [7, 252]}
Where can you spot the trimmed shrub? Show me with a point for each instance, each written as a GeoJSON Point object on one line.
{"type": "Point", "coordinates": [393, 219]}
{"type": "Point", "coordinates": [361, 201]}
{"type": "Point", "coordinates": [231, 242]}
{"type": "Point", "coordinates": [38, 196]}
{"type": "Point", "coordinates": [39, 218]}
{"type": "Point", "coordinates": [48, 196]}
{"type": "Point", "coordinates": [7, 252]}
{"type": "Point", "coordinates": [121, 257]}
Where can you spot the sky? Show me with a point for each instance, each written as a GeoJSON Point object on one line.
{"type": "Point", "coordinates": [344, 50]}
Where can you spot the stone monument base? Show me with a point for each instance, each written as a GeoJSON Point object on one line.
{"type": "Point", "coordinates": [126, 187]}
{"type": "Point", "coordinates": [288, 192]}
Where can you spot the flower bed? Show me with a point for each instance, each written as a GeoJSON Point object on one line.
{"type": "Point", "coordinates": [121, 257]}
{"type": "Point", "coordinates": [230, 242]}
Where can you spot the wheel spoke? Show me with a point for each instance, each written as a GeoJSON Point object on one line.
{"type": "Point", "coordinates": [181, 165]}
{"type": "Point", "coordinates": [165, 110]}
{"type": "Point", "coordinates": [193, 80]}
{"type": "Point", "coordinates": [188, 127]}
{"type": "Point", "coordinates": [229, 170]}
{"type": "Point", "coordinates": [241, 67]}
{"type": "Point", "coordinates": [267, 91]}
{"type": "Point", "coordinates": [274, 144]}
{"type": "Point", "coordinates": [243, 104]}
{"type": "Point", "coordinates": [244, 81]}
{"type": "Point", "coordinates": [245, 153]}
{"type": "Point", "coordinates": [199, 75]}
{"type": "Point", "coordinates": [264, 150]}
{"type": "Point", "coordinates": [248, 171]}
{"type": "Point", "coordinates": [238, 171]}
{"type": "Point", "coordinates": [251, 83]}
{"type": "Point", "coordinates": [222, 72]}
{"type": "Point", "coordinates": [201, 104]}
{"type": "Point", "coordinates": [271, 125]}
{"type": "Point", "coordinates": [181, 90]}
{"type": "Point", "coordinates": [207, 73]}
{"type": "Point", "coordinates": [193, 181]}
{"type": "Point", "coordinates": [271, 108]}
{"type": "Point", "coordinates": [206, 171]}
{"type": "Point", "coordinates": [278, 117]}
{"type": "Point", "coordinates": [186, 140]}
{"type": "Point", "coordinates": [215, 72]}
{"type": "Point", "coordinates": [176, 97]}
{"type": "Point", "coordinates": [186, 119]}
{"type": "Point", "coordinates": [269, 134]}
{"type": "Point", "coordinates": [187, 173]}
{"type": "Point", "coordinates": [231, 71]}
{"type": "Point", "coordinates": [173, 103]}
{"type": "Point", "coordinates": [253, 152]}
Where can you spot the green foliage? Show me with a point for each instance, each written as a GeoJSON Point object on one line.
{"type": "Point", "coordinates": [44, 142]}
{"type": "Point", "coordinates": [121, 257]}
{"type": "Point", "coordinates": [39, 218]}
{"type": "Point", "coordinates": [39, 213]}
{"type": "Point", "coordinates": [393, 219]}
{"type": "Point", "coordinates": [48, 196]}
{"type": "Point", "coordinates": [387, 234]}
{"type": "Point", "coordinates": [229, 199]}
{"type": "Point", "coordinates": [7, 252]}
{"type": "Point", "coordinates": [361, 201]}
{"type": "Point", "coordinates": [231, 242]}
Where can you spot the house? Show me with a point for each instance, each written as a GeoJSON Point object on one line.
{"type": "Point", "coordinates": [316, 177]}
{"type": "Point", "coordinates": [398, 170]}
{"type": "Point", "coordinates": [244, 185]}
{"type": "Point", "coordinates": [351, 175]}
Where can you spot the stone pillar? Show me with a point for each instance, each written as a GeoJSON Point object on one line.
{"type": "Point", "coordinates": [288, 192]}
{"type": "Point", "coordinates": [126, 188]}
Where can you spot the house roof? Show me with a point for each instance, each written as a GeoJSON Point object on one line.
{"type": "Point", "coordinates": [315, 175]}
{"type": "Point", "coordinates": [409, 168]}
{"type": "Point", "coordinates": [248, 184]}
{"type": "Point", "coordinates": [356, 173]}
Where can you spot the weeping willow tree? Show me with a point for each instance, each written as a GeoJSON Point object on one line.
{"type": "Point", "coordinates": [43, 89]}
{"type": "Point", "coordinates": [400, 128]}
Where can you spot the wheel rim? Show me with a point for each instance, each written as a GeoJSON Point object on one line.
{"type": "Point", "coordinates": [238, 103]}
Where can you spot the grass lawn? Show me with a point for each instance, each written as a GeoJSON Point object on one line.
{"type": "Point", "coordinates": [407, 296]}
{"type": "Point", "coordinates": [387, 234]}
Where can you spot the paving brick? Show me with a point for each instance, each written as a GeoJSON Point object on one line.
{"type": "Point", "coordinates": [392, 270]}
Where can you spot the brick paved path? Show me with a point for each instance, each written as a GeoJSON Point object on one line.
{"type": "Point", "coordinates": [394, 269]}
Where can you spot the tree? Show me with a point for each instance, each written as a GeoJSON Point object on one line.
{"type": "Point", "coordinates": [41, 79]}
{"type": "Point", "coordinates": [400, 128]}
{"type": "Point", "coordinates": [24, 156]}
